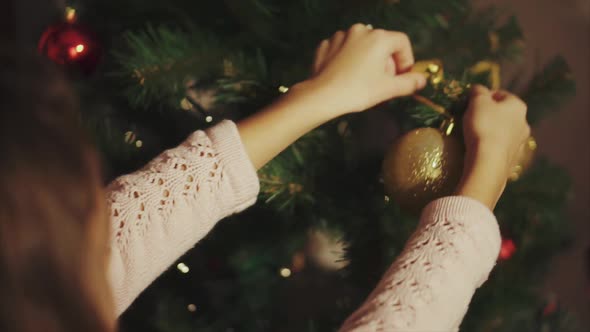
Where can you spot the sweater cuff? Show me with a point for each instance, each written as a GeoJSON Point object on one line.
{"type": "Point", "coordinates": [480, 224]}
{"type": "Point", "coordinates": [238, 167]}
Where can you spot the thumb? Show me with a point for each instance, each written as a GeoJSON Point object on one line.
{"type": "Point", "coordinates": [404, 85]}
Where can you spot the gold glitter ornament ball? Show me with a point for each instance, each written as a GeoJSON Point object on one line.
{"type": "Point", "coordinates": [423, 165]}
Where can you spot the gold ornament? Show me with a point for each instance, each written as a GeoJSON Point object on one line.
{"type": "Point", "coordinates": [493, 68]}
{"type": "Point", "coordinates": [326, 250]}
{"type": "Point", "coordinates": [426, 163]}
{"type": "Point", "coordinates": [423, 165]}
{"type": "Point", "coordinates": [435, 107]}
{"type": "Point", "coordinates": [433, 69]}
{"type": "Point", "coordinates": [454, 89]}
{"type": "Point", "coordinates": [185, 104]}
{"type": "Point", "coordinates": [525, 158]}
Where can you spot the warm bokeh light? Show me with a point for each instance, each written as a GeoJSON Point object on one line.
{"type": "Point", "coordinates": [76, 50]}
{"type": "Point", "coordinates": [182, 268]}
{"type": "Point", "coordinates": [285, 272]}
{"type": "Point", "coordinates": [508, 249]}
{"type": "Point", "coordinates": [70, 14]}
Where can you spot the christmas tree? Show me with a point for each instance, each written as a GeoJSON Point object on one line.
{"type": "Point", "coordinates": [324, 229]}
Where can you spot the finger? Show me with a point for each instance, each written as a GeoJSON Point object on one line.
{"type": "Point", "coordinates": [479, 89]}
{"type": "Point", "coordinates": [321, 54]}
{"type": "Point", "coordinates": [399, 45]}
{"type": "Point", "coordinates": [403, 85]}
{"type": "Point", "coordinates": [507, 97]}
{"type": "Point", "coordinates": [510, 100]}
{"type": "Point", "coordinates": [336, 43]}
{"type": "Point", "coordinates": [390, 66]}
{"type": "Point", "coordinates": [358, 29]}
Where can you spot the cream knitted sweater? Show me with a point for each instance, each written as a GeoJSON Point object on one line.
{"type": "Point", "coordinates": [163, 210]}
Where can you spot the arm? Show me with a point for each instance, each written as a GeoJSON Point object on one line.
{"type": "Point", "coordinates": [430, 285]}
{"type": "Point", "coordinates": [268, 132]}
{"type": "Point", "coordinates": [161, 211]}
{"type": "Point", "coordinates": [353, 71]}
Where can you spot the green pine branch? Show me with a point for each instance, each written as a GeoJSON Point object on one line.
{"type": "Point", "coordinates": [160, 62]}
{"type": "Point", "coordinates": [549, 88]}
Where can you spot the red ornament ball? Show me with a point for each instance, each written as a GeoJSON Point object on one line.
{"type": "Point", "coordinates": [72, 45]}
{"type": "Point", "coordinates": [550, 308]}
{"type": "Point", "coordinates": [507, 249]}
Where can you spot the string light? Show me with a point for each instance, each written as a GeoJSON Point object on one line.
{"type": "Point", "coordinates": [285, 272]}
{"type": "Point", "coordinates": [70, 14]}
{"type": "Point", "coordinates": [182, 268]}
{"type": "Point", "coordinates": [185, 104]}
{"type": "Point", "coordinates": [76, 50]}
{"type": "Point", "coordinates": [191, 307]}
{"type": "Point", "coordinates": [131, 138]}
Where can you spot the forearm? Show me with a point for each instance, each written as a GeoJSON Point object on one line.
{"type": "Point", "coordinates": [430, 285]}
{"type": "Point", "coordinates": [484, 176]}
{"type": "Point", "coordinates": [161, 211]}
{"type": "Point", "coordinates": [268, 132]}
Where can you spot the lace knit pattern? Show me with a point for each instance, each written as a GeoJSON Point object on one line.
{"type": "Point", "coordinates": [161, 211]}
{"type": "Point", "coordinates": [430, 285]}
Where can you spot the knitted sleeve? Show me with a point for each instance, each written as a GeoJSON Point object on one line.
{"type": "Point", "coordinates": [161, 211]}
{"type": "Point", "coordinates": [430, 285]}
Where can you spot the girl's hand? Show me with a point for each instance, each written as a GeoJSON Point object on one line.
{"type": "Point", "coordinates": [360, 68]}
{"type": "Point", "coordinates": [353, 71]}
{"type": "Point", "coordinates": [495, 122]}
{"type": "Point", "coordinates": [495, 129]}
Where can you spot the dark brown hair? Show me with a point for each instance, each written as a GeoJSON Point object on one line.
{"type": "Point", "coordinates": [48, 181]}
